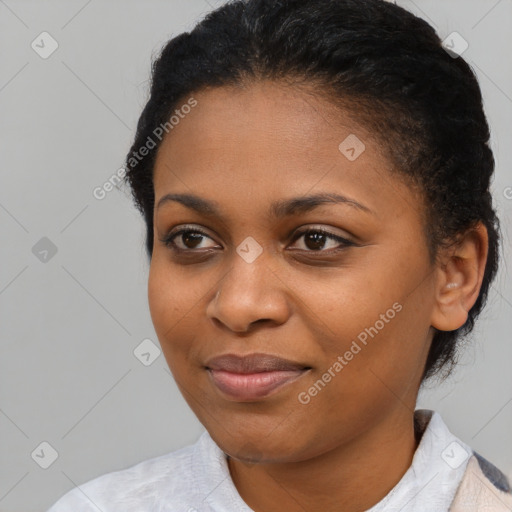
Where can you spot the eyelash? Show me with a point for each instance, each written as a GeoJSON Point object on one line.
{"type": "Point", "coordinates": [168, 240]}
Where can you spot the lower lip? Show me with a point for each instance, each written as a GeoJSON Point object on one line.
{"type": "Point", "coordinates": [251, 386]}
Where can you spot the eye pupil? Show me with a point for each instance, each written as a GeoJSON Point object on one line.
{"type": "Point", "coordinates": [191, 236]}
{"type": "Point", "coordinates": [318, 240]}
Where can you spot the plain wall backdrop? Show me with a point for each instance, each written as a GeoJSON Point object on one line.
{"type": "Point", "coordinates": [73, 272]}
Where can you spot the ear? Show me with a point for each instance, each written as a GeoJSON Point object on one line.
{"type": "Point", "coordinates": [460, 273]}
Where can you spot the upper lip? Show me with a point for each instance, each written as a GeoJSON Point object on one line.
{"type": "Point", "coordinates": [252, 363]}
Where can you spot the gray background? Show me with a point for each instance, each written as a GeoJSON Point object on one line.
{"type": "Point", "coordinates": [68, 326]}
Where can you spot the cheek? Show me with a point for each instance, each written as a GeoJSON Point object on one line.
{"type": "Point", "coordinates": [376, 318]}
{"type": "Point", "coordinates": [171, 294]}
{"type": "Point", "coordinates": [171, 304]}
{"type": "Point", "coordinates": [379, 366]}
{"type": "Point", "coordinates": [163, 303]}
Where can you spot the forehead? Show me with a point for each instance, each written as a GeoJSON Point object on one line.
{"type": "Point", "coordinates": [263, 110]}
{"type": "Point", "coordinates": [271, 139]}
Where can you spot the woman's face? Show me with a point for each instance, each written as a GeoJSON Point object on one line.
{"type": "Point", "coordinates": [353, 316]}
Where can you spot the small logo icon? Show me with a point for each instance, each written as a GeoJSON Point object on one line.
{"type": "Point", "coordinates": [352, 147]}
{"type": "Point", "coordinates": [44, 45]}
{"type": "Point", "coordinates": [147, 352]}
{"type": "Point", "coordinates": [45, 455]}
{"type": "Point", "coordinates": [455, 45]}
{"type": "Point", "coordinates": [44, 250]}
{"type": "Point", "coordinates": [454, 455]}
{"type": "Point", "coordinates": [249, 249]}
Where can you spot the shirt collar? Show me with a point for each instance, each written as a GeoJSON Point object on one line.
{"type": "Point", "coordinates": [436, 471]}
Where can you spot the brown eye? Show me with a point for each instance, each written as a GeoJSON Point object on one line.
{"type": "Point", "coordinates": [315, 240]}
{"type": "Point", "coordinates": [191, 239]}
{"type": "Point", "coordinates": [188, 239]}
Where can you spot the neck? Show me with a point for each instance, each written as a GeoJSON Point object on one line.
{"type": "Point", "coordinates": [353, 477]}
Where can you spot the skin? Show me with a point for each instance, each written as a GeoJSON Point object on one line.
{"type": "Point", "coordinates": [245, 148]}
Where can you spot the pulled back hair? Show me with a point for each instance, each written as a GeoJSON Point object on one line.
{"type": "Point", "coordinates": [387, 68]}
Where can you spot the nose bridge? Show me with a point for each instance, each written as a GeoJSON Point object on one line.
{"type": "Point", "coordinates": [249, 269]}
{"type": "Point", "coordinates": [249, 291]}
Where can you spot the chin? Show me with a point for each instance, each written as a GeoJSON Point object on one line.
{"type": "Point", "coordinates": [257, 448]}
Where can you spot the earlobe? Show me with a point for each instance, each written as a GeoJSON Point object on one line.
{"type": "Point", "coordinates": [459, 279]}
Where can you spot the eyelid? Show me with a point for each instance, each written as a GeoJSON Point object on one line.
{"type": "Point", "coordinates": [321, 229]}
{"type": "Point", "coordinates": [168, 239]}
{"type": "Point", "coordinates": [341, 240]}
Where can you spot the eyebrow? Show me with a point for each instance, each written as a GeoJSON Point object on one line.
{"type": "Point", "coordinates": [278, 209]}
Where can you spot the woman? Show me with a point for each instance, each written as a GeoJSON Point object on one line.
{"type": "Point", "coordinates": [314, 177]}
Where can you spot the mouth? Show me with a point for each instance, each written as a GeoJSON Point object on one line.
{"type": "Point", "coordinates": [254, 376]}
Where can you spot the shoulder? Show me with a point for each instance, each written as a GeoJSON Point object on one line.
{"type": "Point", "coordinates": [483, 487]}
{"type": "Point", "coordinates": [474, 483]}
{"type": "Point", "coordinates": [166, 478]}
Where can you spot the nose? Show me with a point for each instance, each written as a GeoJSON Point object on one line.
{"type": "Point", "coordinates": [249, 294]}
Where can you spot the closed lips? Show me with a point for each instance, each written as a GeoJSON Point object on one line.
{"type": "Point", "coordinates": [252, 377]}
{"type": "Point", "coordinates": [253, 363]}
